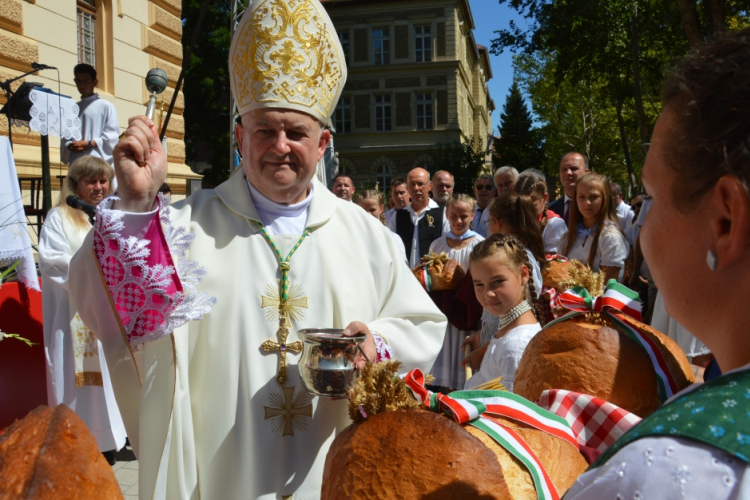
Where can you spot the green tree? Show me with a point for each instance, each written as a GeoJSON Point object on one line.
{"type": "Point", "coordinates": [206, 88]}
{"type": "Point", "coordinates": [463, 160]}
{"type": "Point", "coordinates": [519, 144]}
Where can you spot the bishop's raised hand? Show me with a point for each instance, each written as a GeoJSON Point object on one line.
{"type": "Point", "coordinates": [140, 166]}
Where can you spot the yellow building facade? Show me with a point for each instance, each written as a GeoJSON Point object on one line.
{"type": "Point", "coordinates": [123, 39]}
{"type": "Point", "coordinates": [417, 79]}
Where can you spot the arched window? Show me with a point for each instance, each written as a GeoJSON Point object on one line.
{"type": "Point", "coordinates": [383, 178]}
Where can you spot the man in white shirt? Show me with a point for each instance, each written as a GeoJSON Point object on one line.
{"type": "Point", "coordinates": [442, 186]}
{"type": "Point", "coordinates": [422, 221]}
{"type": "Point", "coordinates": [99, 126]}
{"type": "Point", "coordinates": [343, 187]}
{"type": "Point", "coordinates": [624, 212]}
{"type": "Point", "coordinates": [399, 196]}
{"type": "Point", "coordinates": [484, 192]}
{"type": "Point", "coordinates": [572, 166]}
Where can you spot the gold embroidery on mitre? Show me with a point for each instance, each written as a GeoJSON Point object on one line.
{"type": "Point", "coordinates": [287, 52]}
{"type": "Point", "coordinates": [288, 411]}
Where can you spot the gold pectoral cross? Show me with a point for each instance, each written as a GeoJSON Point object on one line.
{"type": "Point", "coordinates": [284, 311]}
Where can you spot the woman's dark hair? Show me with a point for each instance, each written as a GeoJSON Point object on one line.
{"type": "Point", "coordinates": [709, 96]}
{"type": "Point", "coordinates": [518, 212]}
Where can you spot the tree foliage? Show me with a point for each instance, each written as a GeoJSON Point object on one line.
{"type": "Point", "coordinates": [463, 160]}
{"type": "Point", "coordinates": [206, 88]}
{"type": "Point", "coordinates": [603, 61]}
{"type": "Point", "coordinates": [519, 144]}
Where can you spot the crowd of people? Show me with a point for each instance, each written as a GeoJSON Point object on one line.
{"type": "Point", "coordinates": [206, 384]}
{"type": "Point", "coordinates": [592, 224]}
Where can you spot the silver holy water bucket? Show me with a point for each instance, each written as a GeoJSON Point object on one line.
{"type": "Point", "coordinates": [326, 366]}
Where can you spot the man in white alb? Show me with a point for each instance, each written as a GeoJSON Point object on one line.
{"type": "Point", "coordinates": [99, 126]}
{"type": "Point", "coordinates": [205, 372]}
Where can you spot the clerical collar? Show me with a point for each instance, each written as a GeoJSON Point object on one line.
{"type": "Point", "coordinates": [291, 219]}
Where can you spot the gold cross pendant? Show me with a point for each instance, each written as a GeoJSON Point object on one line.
{"type": "Point", "coordinates": [282, 347]}
{"type": "Point", "coordinates": [284, 311]}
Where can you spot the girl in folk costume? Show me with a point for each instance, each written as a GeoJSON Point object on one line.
{"type": "Point", "coordinates": [458, 244]}
{"type": "Point", "coordinates": [553, 225]}
{"type": "Point", "coordinates": [372, 201]}
{"type": "Point", "coordinates": [696, 240]}
{"type": "Point", "coordinates": [77, 372]}
{"type": "Point", "coordinates": [595, 236]}
{"type": "Point", "coordinates": [504, 285]}
{"type": "Point", "coordinates": [510, 214]}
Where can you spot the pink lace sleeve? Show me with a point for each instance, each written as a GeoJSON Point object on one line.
{"type": "Point", "coordinates": [150, 280]}
{"type": "Point", "coordinates": [385, 352]}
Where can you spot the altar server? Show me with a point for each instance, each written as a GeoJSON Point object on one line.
{"type": "Point", "coordinates": [206, 371]}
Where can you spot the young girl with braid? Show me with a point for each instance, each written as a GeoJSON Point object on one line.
{"type": "Point", "coordinates": [510, 214]}
{"type": "Point", "coordinates": [553, 226]}
{"type": "Point", "coordinates": [505, 286]}
{"type": "Point", "coordinates": [595, 236]}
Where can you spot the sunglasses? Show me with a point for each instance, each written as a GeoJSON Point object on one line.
{"type": "Point", "coordinates": [482, 187]}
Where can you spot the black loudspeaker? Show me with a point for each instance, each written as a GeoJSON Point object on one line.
{"type": "Point", "coordinates": [19, 105]}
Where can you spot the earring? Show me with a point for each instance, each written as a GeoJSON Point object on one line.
{"type": "Point", "coordinates": [711, 260]}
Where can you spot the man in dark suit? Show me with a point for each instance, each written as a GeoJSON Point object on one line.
{"type": "Point", "coordinates": [422, 221]}
{"type": "Point", "coordinates": [572, 166]}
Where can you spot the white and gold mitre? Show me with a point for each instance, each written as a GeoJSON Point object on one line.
{"type": "Point", "coordinates": [286, 54]}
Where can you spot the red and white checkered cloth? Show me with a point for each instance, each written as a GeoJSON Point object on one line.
{"type": "Point", "coordinates": [595, 422]}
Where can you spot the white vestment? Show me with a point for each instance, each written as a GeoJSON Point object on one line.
{"type": "Point", "coordinates": [98, 124]}
{"type": "Point", "coordinates": [95, 404]}
{"type": "Point", "coordinates": [205, 412]}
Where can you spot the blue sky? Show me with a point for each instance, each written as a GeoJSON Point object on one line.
{"type": "Point", "coordinates": [490, 16]}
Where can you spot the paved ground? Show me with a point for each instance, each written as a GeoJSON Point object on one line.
{"type": "Point", "coordinates": [126, 472]}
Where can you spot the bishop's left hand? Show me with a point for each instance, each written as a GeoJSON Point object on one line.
{"type": "Point", "coordinates": [368, 346]}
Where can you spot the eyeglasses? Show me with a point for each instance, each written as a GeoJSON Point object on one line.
{"type": "Point", "coordinates": [481, 187]}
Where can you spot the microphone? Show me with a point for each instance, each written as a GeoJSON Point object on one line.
{"type": "Point", "coordinates": [39, 66]}
{"type": "Point", "coordinates": [77, 203]}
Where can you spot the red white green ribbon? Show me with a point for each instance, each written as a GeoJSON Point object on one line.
{"type": "Point", "coordinates": [620, 305]}
{"type": "Point", "coordinates": [477, 408]}
{"type": "Point", "coordinates": [556, 257]}
{"type": "Point", "coordinates": [426, 280]}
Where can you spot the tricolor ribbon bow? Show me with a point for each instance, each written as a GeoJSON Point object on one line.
{"type": "Point", "coordinates": [477, 408]}
{"type": "Point", "coordinates": [556, 257]}
{"type": "Point", "coordinates": [620, 305]}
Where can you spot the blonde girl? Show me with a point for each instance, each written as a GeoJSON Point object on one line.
{"type": "Point", "coordinates": [504, 286]}
{"type": "Point", "coordinates": [373, 202]}
{"type": "Point", "coordinates": [458, 244]}
{"type": "Point", "coordinates": [594, 236]}
{"type": "Point", "coordinates": [553, 226]}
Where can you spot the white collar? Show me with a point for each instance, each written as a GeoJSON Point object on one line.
{"type": "Point", "coordinates": [89, 98]}
{"type": "Point", "coordinates": [430, 206]}
{"type": "Point", "coordinates": [266, 206]}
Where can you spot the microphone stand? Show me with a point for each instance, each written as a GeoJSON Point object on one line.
{"type": "Point", "coordinates": [8, 93]}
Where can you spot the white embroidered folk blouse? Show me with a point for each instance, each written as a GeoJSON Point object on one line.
{"type": "Point", "coordinates": [612, 250]}
{"type": "Point", "coordinates": [666, 468]}
{"type": "Point", "coordinates": [503, 356]}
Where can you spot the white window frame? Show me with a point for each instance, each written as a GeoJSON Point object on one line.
{"type": "Point", "coordinates": [342, 116]}
{"type": "Point", "coordinates": [383, 177]}
{"type": "Point", "coordinates": [425, 110]}
{"type": "Point", "coordinates": [381, 45]}
{"type": "Point", "coordinates": [423, 43]}
{"type": "Point", "coordinates": [86, 32]}
{"type": "Point", "coordinates": [383, 113]}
